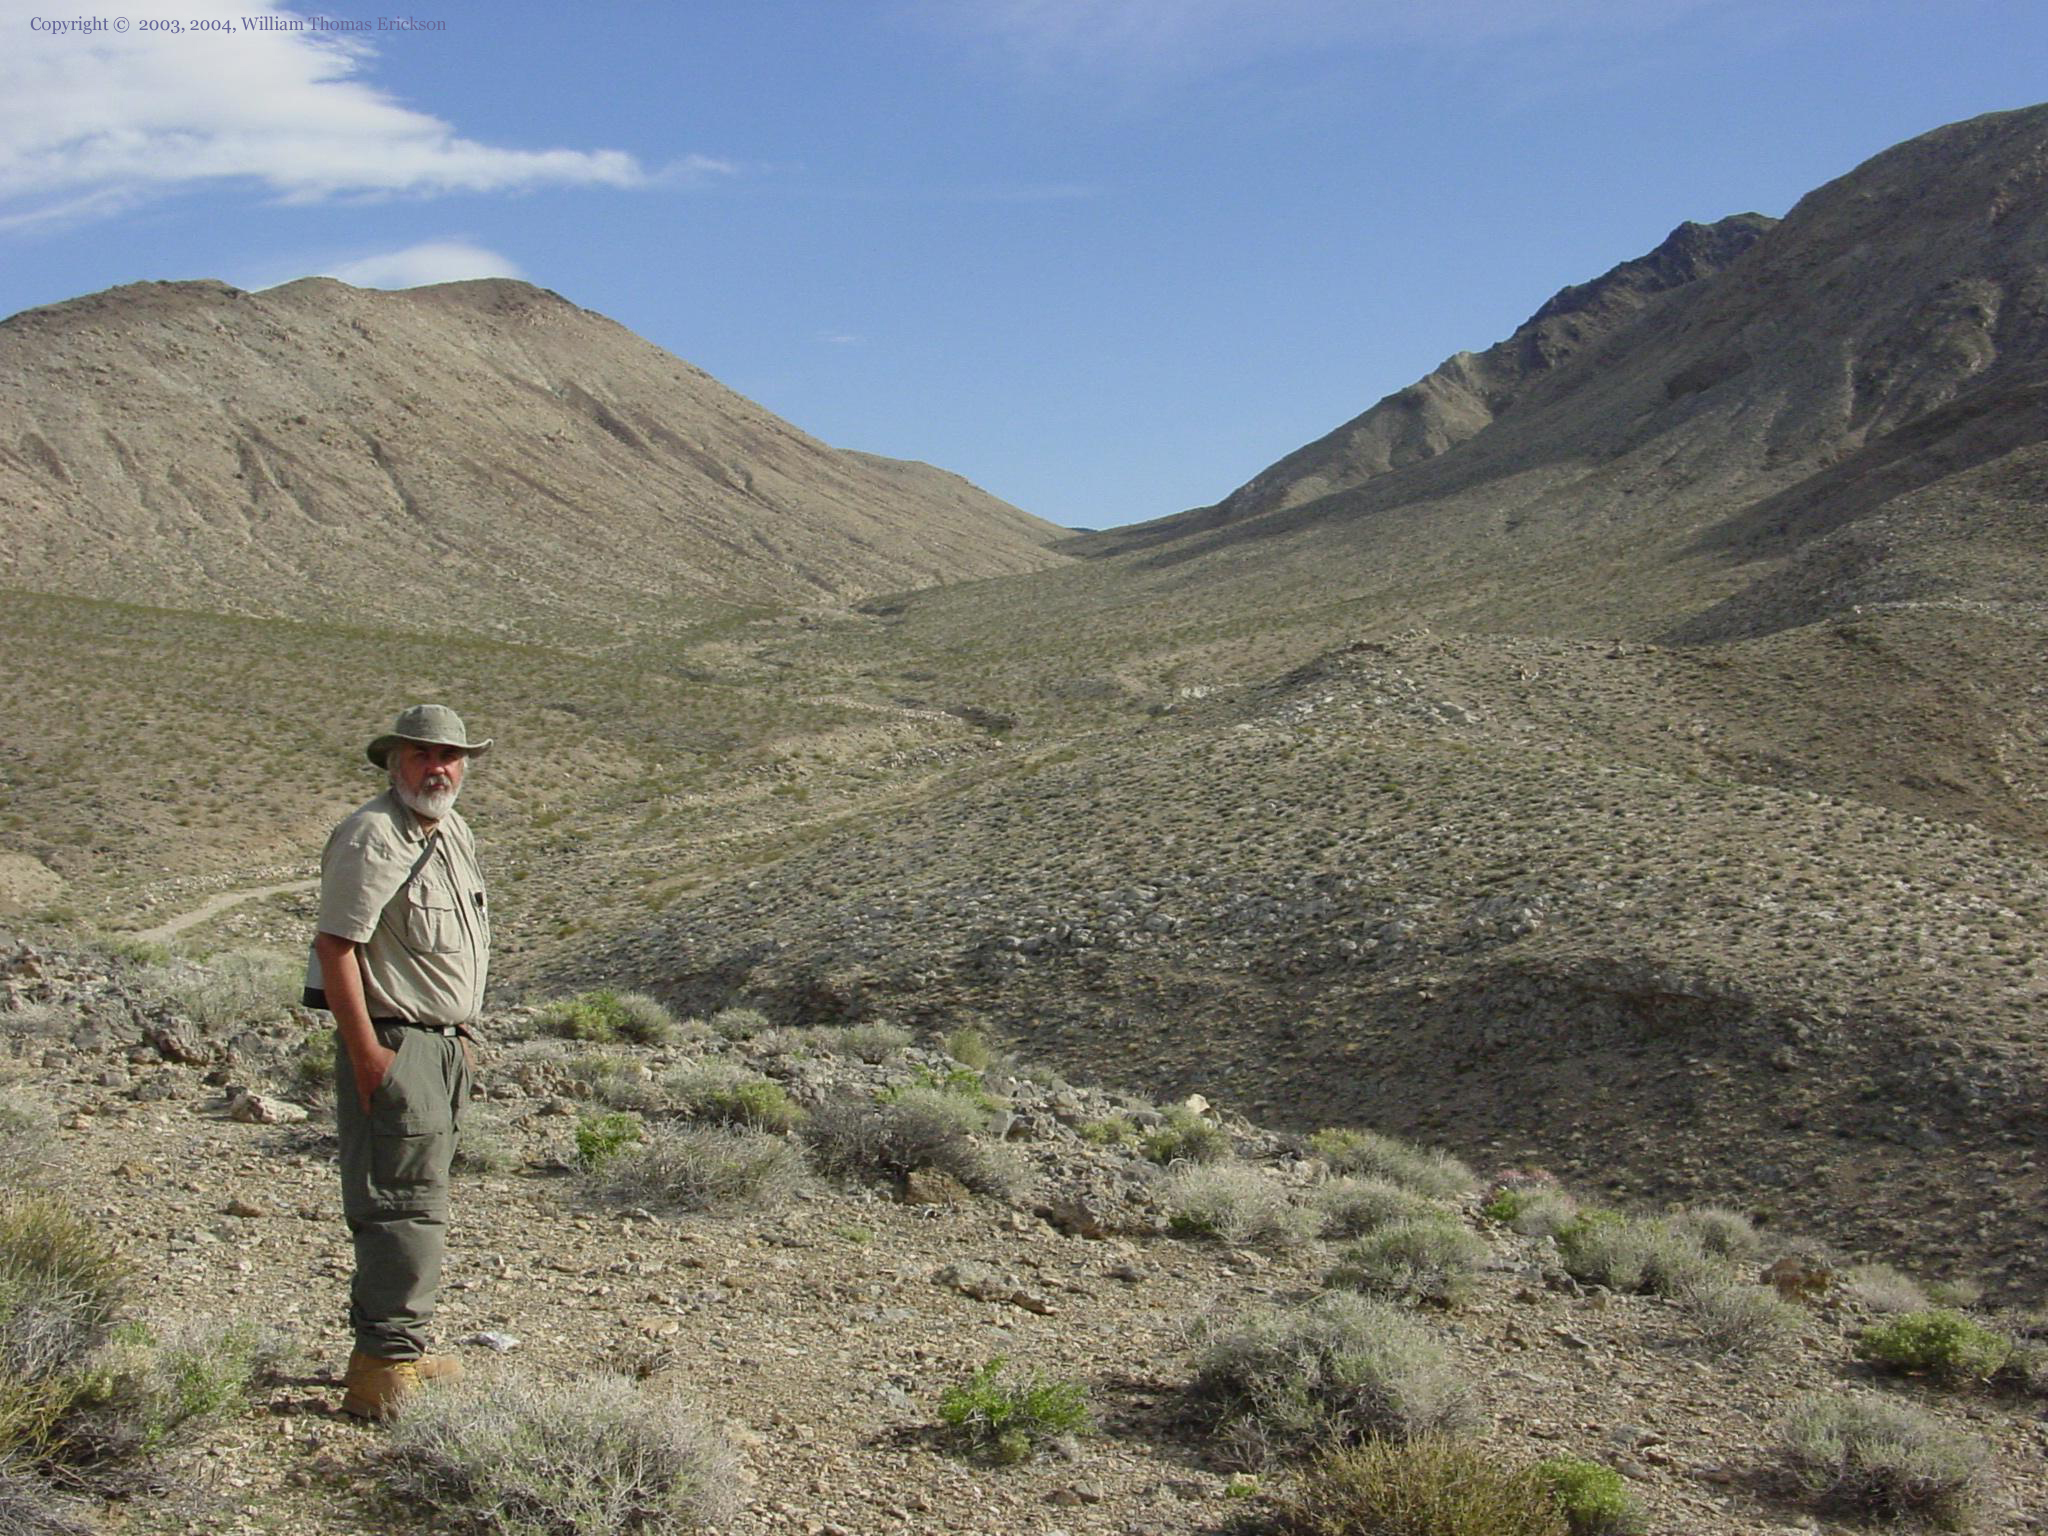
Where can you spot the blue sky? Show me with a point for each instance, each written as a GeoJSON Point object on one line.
{"type": "Point", "coordinates": [1108, 258]}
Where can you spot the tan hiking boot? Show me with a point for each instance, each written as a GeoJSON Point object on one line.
{"type": "Point", "coordinates": [438, 1368]}
{"type": "Point", "coordinates": [377, 1388]}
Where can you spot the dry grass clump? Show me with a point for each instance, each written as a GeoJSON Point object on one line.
{"type": "Point", "coordinates": [1882, 1288]}
{"type": "Point", "coordinates": [1430, 1258]}
{"type": "Point", "coordinates": [1720, 1232]}
{"type": "Point", "coordinates": [1433, 1486]}
{"type": "Point", "coordinates": [60, 1284]}
{"type": "Point", "coordinates": [738, 1023]}
{"type": "Point", "coordinates": [230, 992]}
{"type": "Point", "coordinates": [29, 1507]}
{"type": "Point", "coordinates": [1235, 1204]}
{"type": "Point", "coordinates": [1353, 1207]}
{"type": "Point", "coordinates": [727, 1094]}
{"type": "Point", "coordinates": [617, 1081]}
{"type": "Point", "coordinates": [1872, 1456]}
{"type": "Point", "coordinates": [605, 1016]}
{"type": "Point", "coordinates": [485, 1144]}
{"type": "Point", "coordinates": [1425, 1171]}
{"type": "Point", "coordinates": [149, 1388]}
{"type": "Point", "coordinates": [36, 1021]}
{"type": "Point", "coordinates": [918, 1127]}
{"type": "Point", "coordinates": [876, 1042]}
{"type": "Point", "coordinates": [1337, 1371]}
{"type": "Point", "coordinates": [1738, 1319]}
{"type": "Point", "coordinates": [517, 1456]}
{"type": "Point", "coordinates": [700, 1168]}
{"type": "Point", "coordinates": [1631, 1254]}
{"type": "Point", "coordinates": [28, 1129]}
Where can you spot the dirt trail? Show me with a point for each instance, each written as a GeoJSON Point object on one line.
{"type": "Point", "coordinates": [163, 933]}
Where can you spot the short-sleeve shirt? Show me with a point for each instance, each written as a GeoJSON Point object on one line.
{"type": "Point", "coordinates": [413, 903]}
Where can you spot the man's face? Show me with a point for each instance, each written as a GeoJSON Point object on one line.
{"type": "Point", "coordinates": [428, 777]}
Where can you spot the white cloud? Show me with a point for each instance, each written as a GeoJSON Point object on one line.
{"type": "Point", "coordinates": [90, 123]}
{"type": "Point", "coordinates": [435, 261]}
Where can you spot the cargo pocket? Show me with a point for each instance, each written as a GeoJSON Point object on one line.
{"type": "Point", "coordinates": [411, 1125]}
{"type": "Point", "coordinates": [432, 925]}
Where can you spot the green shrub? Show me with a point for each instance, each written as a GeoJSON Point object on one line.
{"type": "Point", "coordinates": [1426, 1258]}
{"type": "Point", "coordinates": [60, 1284]}
{"type": "Point", "coordinates": [1113, 1131]}
{"type": "Point", "coordinates": [1006, 1417]}
{"type": "Point", "coordinates": [1340, 1369]}
{"type": "Point", "coordinates": [1738, 1319]}
{"type": "Point", "coordinates": [1939, 1343]}
{"type": "Point", "coordinates": [1720, 1233]}
{"type": "Point", "coordinates": [1432, 1173]}
{"type": "Point", "coordinates": [600, 1138]}
{"type": "Point", "coordinates": [1631, 1254]}
{"type": "Point", "coordinates": [515, 1455]}
{"type": "Point", "coordinates": [1875, 1457]}
{"type": "Point", "coordinates": [1434, 1486]}
{"type": "Point", "coordinates": [1353, 1207]}
{"type": "Point", "coordinates": [729, 1095]}
{"type": "Point", "coordinates": [604, 1017]}
{"type": "Point", "coordinates": [876, 1043]}
{"type": "Point", "coordinates": [1592, 1498]}
{"type": "Point", "coordinates": [1234, 1204]}
{"type": "Point", "coordinates": [701, 1168]}
{"type": "Point", "coordinates": [147, 1389]}
{"type": "Point", "coordinates": [971, 1048]}
{"type": "Point", "coordinates": [918, 1127]}
{"type": "Point", "coordinates": [1187, 1137]}
{"type": "Point", "coordinates": [738, 1023]}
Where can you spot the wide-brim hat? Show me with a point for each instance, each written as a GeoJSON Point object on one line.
{"type": "Point", "coordinates": [434, 725]}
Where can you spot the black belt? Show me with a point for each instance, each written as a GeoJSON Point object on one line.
{"type": "Point", "coordinates": [432, 1029]}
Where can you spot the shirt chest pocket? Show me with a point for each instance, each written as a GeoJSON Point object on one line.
{"type": "Point", "coordinates": [432, 925]}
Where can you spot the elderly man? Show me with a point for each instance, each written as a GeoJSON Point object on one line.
{"type": "Point", "coordinates": [399, 959]}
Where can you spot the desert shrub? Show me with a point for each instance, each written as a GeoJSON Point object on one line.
{"type": "Point", "coordinates": [1720, 1233]}
{"type": "Point", "coordinates": [230, 992]}
{"type": "Point", "coordinates": [1593, 1498]}
{"type": "Point", "coordinates": [36, 1021]}
{"type": "Point", "coordinates": [28, 1128]}
{"type": "Point", "coordinates": [1339, 1370]}
{"type": "Point", "coordinates": [1433, 1486]}
{"type": "Point", "coordinates": [484, 1145]}
{"type": "Point", "coordinates": [730, 1095]}
{"type": "Point", "coordinates": [600, 1138]}
{"type": "Point", "coordinates": [1543, 1213]}
{"type": "Point", "coordinates": [1187, 1137]}
{"type": "Point", "coordinates": [1882, 1288]}
{"type": "Point", "coordinates": [875, 1043]}
{"type": "Point", "coordinates": [1938, 1342]}
{"type": "Point", "coordinates": [1236, 1204]}
{"type": "Point", "coordinates": [1628, 1253]}
{"type": "Point", "coordinates": [1738, 1319]}
{"type": "Point", "coordinates": [60, 1284]}
{"type": "Point", "coordinates": [147, 1389]}
{"type": "Point", "coordinates": [738, 1023]}
{"type": "Point", "coordinates": [1352, 1207]}
{"type": "Point", "coordinates": [783, 1040]}
{"type": "Point", "coordinates": [971, 1048]}
{"type": "Point", "coordinates": [1960, 1294]}
{"type": "Point", "coordinates": [1427, 1258]}
{"type": "Point", "coordinates": [701, 1168]}
{"type": "Point", "coordinates": [1427, 1172]}
{"type": "Point", "coordinates": [1872, 1456]}
{"type": "Point", "coordinates": [1007, 1417]}
{"type": "Point", "coordinates": [616, 1081]}
{"type": "Point", "coordinates": [604, 1016]}
{"type": "Point", "coordinates": [514, 1455]}
{"type": "Point", "coordinates": [919, 1127]}
{"type": "Point", "coordinates": [309, 1070]}
{"type": "Point", "coordinates": [1110, 1131]}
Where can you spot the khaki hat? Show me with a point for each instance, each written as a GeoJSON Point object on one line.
{"type": "Point", "coordinates": [432, 724]}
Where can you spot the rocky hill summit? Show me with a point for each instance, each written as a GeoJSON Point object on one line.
{"type": "Point", "coordinates": [483, 455]}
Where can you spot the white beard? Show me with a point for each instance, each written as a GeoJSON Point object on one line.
{"type": "Point", "coordinates": [433, 804]}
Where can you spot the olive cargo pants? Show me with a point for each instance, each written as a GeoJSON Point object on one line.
{"type": "Point", "coordinates": [394, 1185]}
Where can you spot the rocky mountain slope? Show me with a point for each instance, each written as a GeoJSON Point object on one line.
{"type": "Point", "coordinates": [480, 455]}
{"type": "Point", "coordinates": [1839, 409]}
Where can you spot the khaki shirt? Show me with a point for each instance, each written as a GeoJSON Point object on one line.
{"type": "Point", "coordinates": [413, 902]}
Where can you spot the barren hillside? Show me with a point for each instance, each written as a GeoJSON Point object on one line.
{"type": "Point", "coordinates": [477, 455]}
